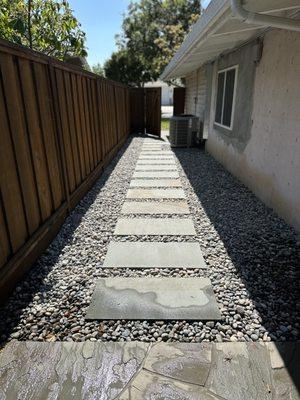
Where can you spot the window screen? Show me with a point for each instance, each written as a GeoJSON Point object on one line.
{"type": "Point", "coordinates": [225, 95]}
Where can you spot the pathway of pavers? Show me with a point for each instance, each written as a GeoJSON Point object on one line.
{"type": "Point", "coordinates": [139, 371]}
{"type": "Point", "coordinates": [155, 191]}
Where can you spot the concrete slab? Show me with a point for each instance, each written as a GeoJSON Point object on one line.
{"type": "Point", "coordinates": [155, 226]}
{"type": "Point", "coordinates": [144, 193]}
{"type": "Point", "coordinates": [153, 299]}
{"type": "Point", "coordinates": [154, 207]}
{"type": "Point", "coordinates": [156, 167]}
{"type": "Point", "coordinates": [155, 183]}
{"type": "Point", "coordinates": [155, 174]}
{"type": "Point", "coordinates": [155, 162]}
{"type": "Point", "coordinates": [154, 255]}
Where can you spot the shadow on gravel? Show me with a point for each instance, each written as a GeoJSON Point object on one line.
{"type": "Point", "coordinates": [262, 247]}
{"type": "Point", "coordinates": [33, 281]}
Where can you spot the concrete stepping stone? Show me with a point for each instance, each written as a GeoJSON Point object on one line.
{"type": "Point", "coordinates": [154, 255]}
{"type": "Point", "coordinates": [155, 183]}
{"type": "Point", "coordinates": [155, 226]}
{"type": "Point", "coordinates": [144, 193]}
{"type": "Point", "coordinates": [155, 174]}
{"type": "Point", "coordinates": [156, 167]}
{"type": "Point", "coordinates": [156, 158]}
{"type": "Point", "coordinates": [154, 207]}
{"type": "Point", "coordinates": [153, 299]}
{"type": "Point", "coordinates": [155, 162]}
{"type": "Point", "coordinates": [156, 153]}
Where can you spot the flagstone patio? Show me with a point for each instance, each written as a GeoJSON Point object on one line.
{"type": "Point", "coordinates": [140, 371]}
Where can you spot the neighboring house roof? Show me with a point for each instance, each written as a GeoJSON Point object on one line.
{"type": "Point", "coordinates": [218, 31]}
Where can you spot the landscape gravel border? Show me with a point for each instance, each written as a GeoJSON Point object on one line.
{"type": "Point", "coordinates": [251, 253]}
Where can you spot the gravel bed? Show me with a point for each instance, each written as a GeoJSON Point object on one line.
{"type": "Point", "coordinates": [252, 258]}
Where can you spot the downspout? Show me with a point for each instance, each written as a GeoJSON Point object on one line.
{"type": "Point", "coordinates": [262, 19]}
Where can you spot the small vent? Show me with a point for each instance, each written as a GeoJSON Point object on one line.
{"type": "Point", "coordinates": [183, 130]}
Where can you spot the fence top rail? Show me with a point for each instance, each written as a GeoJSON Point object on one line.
{"type": "Point", "coordinates": [33, 55]}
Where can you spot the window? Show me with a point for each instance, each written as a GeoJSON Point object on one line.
{"type": "Point", "coordinates": [225, 97]}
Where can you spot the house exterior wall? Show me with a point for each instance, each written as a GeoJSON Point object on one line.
{"type": "Point", "coordinates": [263, 149]}
{"type": "Point", "coordinates": [195, 84]}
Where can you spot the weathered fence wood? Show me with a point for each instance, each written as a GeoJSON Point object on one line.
{"type": "Point", "coordinates": [60, 125]}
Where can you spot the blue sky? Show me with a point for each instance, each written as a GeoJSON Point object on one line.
{"type": "Point", "coordinates": [101, 20]}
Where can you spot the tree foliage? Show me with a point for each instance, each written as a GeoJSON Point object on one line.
{"type": "Point", "coordinates": [48, 26]}
{"type": "Point", "coordinates": [98, 69]}
{"type": "Point", "coordinates": [124, 67]}
{"type": "Point", "coordinates": [152, 31]}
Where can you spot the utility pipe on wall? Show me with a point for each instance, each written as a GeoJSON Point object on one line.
{"type": "Point", "coordinates": [263, 19]}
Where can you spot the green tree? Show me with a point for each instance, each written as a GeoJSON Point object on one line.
{"type": "Point", "coordinates": [98, 69]}
{"type": "Point", "coordinates": [124, 67]}
{"type": "Point", "coordinates": [48, 26]}
{"type": "Point", "coordinates": [152, 32]}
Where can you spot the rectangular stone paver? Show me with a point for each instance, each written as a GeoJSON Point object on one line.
{"type": "Point", "coordinates": [144, 193]}
{"type": "Point", "coordinates": [154, 255]}
{"type": "Point", "coordinates": [155, 162]}
{"type": "Point", "coordinates": [153, 299]}
{"type": "Point", "coordinates": [159, 157]}
{"type": "Point", "coordinates": [155, 174]}
{"type": "Point", "coordinates": [156, 167]}
{"type": "Point", "coordinates": [154, 207]}
{"type": "Point", "coordinates": [155, 183]}
{"type": "Point", "coordinates": [156, 153]}
{"type": "Point", "coordinates": [155, 226]}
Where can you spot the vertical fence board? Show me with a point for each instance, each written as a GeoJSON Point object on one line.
{"type": "Point", "coordinates": [72, 133]}
{"type": "Point", "coordinates": [65, 130]}
{"type": "Point", "coordinates": [9, 184]}
{"type": "Point", "coordinates": [88, 165]}
{"type": "Point", "coordinates": [78, 129]}
{"type": "Point", "coordinates": [14, 103]}
{"type": "Point", "coordinates": [4, 241]}
{"type": "Point", "coordinates": [36, 139]}
{"type": "Point", "coordinates": [48, 129]}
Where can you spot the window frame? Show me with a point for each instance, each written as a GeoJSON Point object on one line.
{"type": "Point", "coordinates": [236, 68]}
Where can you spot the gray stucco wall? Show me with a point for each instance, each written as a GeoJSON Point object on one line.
{"type": "Point", "coordinates": [263, 148]}
{"type": "Point", "coordinates": [245, 59]}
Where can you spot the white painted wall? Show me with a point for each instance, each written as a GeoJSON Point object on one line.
{"type": "Point", "coordinates": [270, 162]}
{"type": "Point", "coordinates": [195, 84]}
{"type": "Point", "coordinates": [166, 92]}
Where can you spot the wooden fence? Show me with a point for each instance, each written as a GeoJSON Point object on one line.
{"type": "Point", "coordinates": [59, 126]}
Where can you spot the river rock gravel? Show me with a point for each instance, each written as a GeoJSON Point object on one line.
{"type": "Point", "coordinates": [252, 257]}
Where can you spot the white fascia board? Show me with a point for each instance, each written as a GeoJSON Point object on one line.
{"type": "Point", "coordinates": [213, 12]}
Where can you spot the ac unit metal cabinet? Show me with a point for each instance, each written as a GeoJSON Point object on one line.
{"type": "Point", "coordinates": [183, 129]}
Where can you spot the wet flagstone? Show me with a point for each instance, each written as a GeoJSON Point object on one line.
{"type": "Point", "coordinates": [153, 299]}
{"type": "Point", "coordinates": [158, 371]}
{"type": "Point", "coordinates": [154, 255]}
